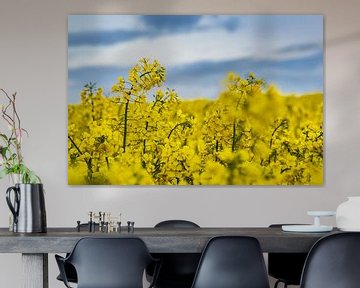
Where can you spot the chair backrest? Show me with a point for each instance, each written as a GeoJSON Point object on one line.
{"type": "Point", "coordinates": [176, 224]}
{"type": "Point", "coordinates": [110, 262]}
{"type": "Point", "coordinates": [178, 269]}
{"type": "Point", "coordinates": [232, 262]}
{"type": "Point", "coordinates": [333, 262]}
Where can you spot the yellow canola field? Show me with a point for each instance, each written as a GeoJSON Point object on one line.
{"type": "Point", "coordinates": [144, 134]}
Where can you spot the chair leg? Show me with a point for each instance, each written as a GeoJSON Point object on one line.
{"type": "Point", "coordinates": [278, 282]}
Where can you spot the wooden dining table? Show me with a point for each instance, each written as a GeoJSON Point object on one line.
{"type": "Point", "coordinates": [35, 247]}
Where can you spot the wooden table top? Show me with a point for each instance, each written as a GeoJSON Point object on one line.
{"type": "Point", "coordinates": [158, 240]}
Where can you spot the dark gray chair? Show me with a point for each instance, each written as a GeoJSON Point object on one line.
{"type": "Point", "coordinates": [333, 262]}
{"type": "Point", "coordinates": [69, 269]}
{"type": "Point", "coordinates": [286, 267]}
{"type": "Point", "coordinates": [108, 263]}
{"type": "Point", "coordinates": [232, 262]}
{"type": "Point", "coordinates": [178, 269]}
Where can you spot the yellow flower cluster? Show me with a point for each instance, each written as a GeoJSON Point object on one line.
{"type": "Point", "coordinates": [246, 136]}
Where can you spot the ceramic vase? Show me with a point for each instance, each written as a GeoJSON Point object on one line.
{"type": "Point", "coordinates": [348, 215]}
{"type": "Point", "coordinates": [27, 204]}
{"type": "Point", "coordinates": [13, 179]}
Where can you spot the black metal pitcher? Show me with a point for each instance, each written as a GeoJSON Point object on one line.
{"type": "Point", "coordinates": [28, 207]}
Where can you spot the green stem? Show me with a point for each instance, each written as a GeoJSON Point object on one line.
{"type": "Point", "coordinates": [125, 125]}
{"type": "Point", "coordinates": [174, 128]}
{"type": "Point", "coordinates": [273, 133]}
{"type": "Point", "coordinates": [88, 162]}
{"type": "Point", "coordinates": [234, 137]}
{"type": "Point", "coordinates": [144, 141]}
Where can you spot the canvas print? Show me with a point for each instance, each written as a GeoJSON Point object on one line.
{"type": "Point", "coordinates": [195, 100]}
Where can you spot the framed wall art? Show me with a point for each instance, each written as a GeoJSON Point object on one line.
{"type": "Point", "coordinates": [195, 99]}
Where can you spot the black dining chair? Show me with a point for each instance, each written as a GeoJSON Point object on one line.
{"type": "Point", "coordinates": [178, 269]}
{"type": "Point", "coordinates": [232, 262]}
{"type": "Point", "coordinates": [70, 271]}
{"type": "Point", "coordinates": [333, 262]}
{"type": "Point", "coordinates": [285, 267]}
{"type": "Point", "coordinates": [108, 263]}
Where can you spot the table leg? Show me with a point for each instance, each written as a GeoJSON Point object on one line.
{"type": "Point", "coordinates": [35, 270]}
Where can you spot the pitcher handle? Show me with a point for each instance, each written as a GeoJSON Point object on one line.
{"type": "Point", "coordinates": [13, 208]}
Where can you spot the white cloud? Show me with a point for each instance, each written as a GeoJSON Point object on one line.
{"type": "Point", "coordinates": [170, 50]}
{"type": "Point", "coordinates": [179, 49]}
{"type": "Point", "coordinates": [213, 21]}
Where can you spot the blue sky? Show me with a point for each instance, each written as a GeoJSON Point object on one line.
{"type": "Point", "coordinates": [197, 51]}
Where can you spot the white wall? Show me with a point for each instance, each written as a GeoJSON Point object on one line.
{"type": "Point", "coordinates": [33, 62]}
